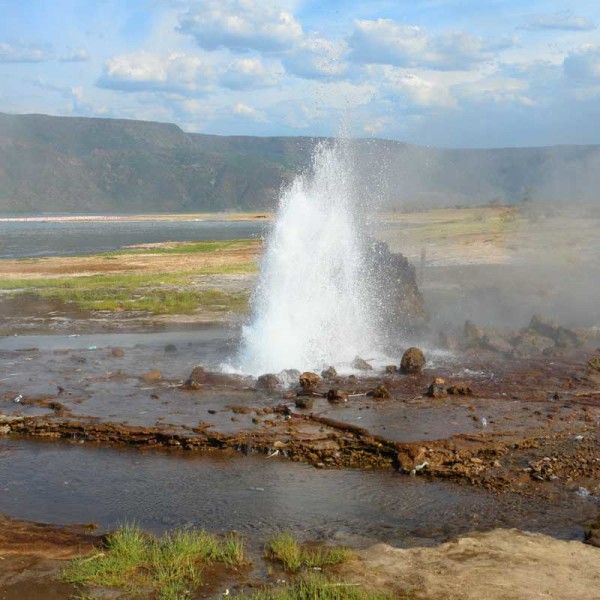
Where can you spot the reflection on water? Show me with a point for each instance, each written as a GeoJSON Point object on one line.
{"type": "Point", "coordinates": [30, 239]}
{"type": "Point", "coordinates": [65, 483]}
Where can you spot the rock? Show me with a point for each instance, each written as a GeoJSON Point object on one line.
{"type": "Point", "coordinates": [151, 376]}
{"type": "Point", "coordinates": [529, 342]}
{"type": "Point", "coordinates": [472, 334]}
{"type": "Point", "coordinates": [197, 377]}
{"type": "Point", "coordinates": [170, 348]}
{"type": "Point", "coordinates": [494, 342]}
{"type": "Point", "coordinates": [561, 336]}
{"type": "Point", "coordinates": [413, 361]}
{"type": "Point", "coordinates": [337, 396]}
{"type": "Point", "coordinates": [267, 382]}
{"type": "Point", "coordinates": [308, 380]}
{"type": "Point", "coordinates": [117, 352]}
{"type": "Point", "coordinates": [380, 393]}
{"type": "Point", "coordinates": [391, 369]}
{"type": "Point", "coordinates": [304, 402]}
{"type": "Point", "coordinates": [594, 363]}
{"type": "Point", "coordinates": [460, 390]}
{"type": "Point", "coordinates": [329, 373]}
{"type": "Point", "coordinates": [436, 388]}
{"type": "Point", "coordinates": [592, 533]}
{"type": "Point", "coordinates": [392, 279]}
{"type": "Point", "coordinates": [361, 364]}
{"type": "Point", "coordinates": [4, 429]}
{"type": "Point", "coordinates": [287, 377]}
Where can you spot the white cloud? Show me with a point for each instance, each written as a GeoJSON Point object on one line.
{"type": "Point", "coordinates": [79, 55]}
{"type": "Point", "coordinates": [248, 73]}
{"type": "Point", "coordinates": [142, 71]}
{"type": "Point", "coordinates": [240, 25]}
{"type": "Point", "coordinates": [384, 41]}
{"type": "Point", "coordinates": [417, 91]}
{"type": "Point", "coordinates": [250, 112]}
{"type": "Point", "coordinates": [22, 53]}
{"type": "Point", "coordinates": [583, 64]}
{"type": "Point", "coordinates": [316, 57]}
{"type": "Point", "coordinates": [562, 22]}
{"type": "Point", "coordinates": [495, 90]}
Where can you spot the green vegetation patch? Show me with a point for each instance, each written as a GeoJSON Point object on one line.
{"type": "Point", "coordinates": [294, 556]}
{"type": "Point", "coordinates": [316, 587]}
{"type": "Point", "coordinates": [169, 568]}
{"type": "Point", "coordinates": [189, 248]}
{"type": "Point", "coordinates": [158, 293]}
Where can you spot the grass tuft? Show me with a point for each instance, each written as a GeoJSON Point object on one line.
{"type": "Point", "coordinates": [316, 587]}
{"type": "Point", "coordinates": [294, 556]}
{"type": "Point", "coordinates": [170, 567]}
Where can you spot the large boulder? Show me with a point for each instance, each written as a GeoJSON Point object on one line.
{"type": "Point", "coordinates": [393, 281]}
{"type": "Point", "coordinates": [413, 361]}
{"type": "Point", "coordinates": [308, 380]}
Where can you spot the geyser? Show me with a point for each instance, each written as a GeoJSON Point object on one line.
{"type": "Point", "coordinates": [312, 305]}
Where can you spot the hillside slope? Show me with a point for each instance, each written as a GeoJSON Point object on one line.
{"type": "Point", "coordinates": [66, 164]}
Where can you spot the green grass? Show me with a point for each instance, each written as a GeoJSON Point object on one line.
{"type": "Point", "coordinates": [158, 293]}
{"type": "Point", "coordinates": [316, 587]}
{"type": "Point", "coordinates": [192, 247]}
{"type": "Point", "coordinates": [169, 567]}
{"type": "Point", "coordinates": [294, 556]}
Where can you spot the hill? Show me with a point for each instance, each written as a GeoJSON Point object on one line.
{"type": "Point", "coordinates": [67, 164]}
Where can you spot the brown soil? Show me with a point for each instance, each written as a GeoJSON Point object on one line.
{"type": "Point", "coordinates": [497, 565]}
{"type": "Point", "coordinates": [32, 555]}
{"type": "Point", "coordinates": [80, 266]}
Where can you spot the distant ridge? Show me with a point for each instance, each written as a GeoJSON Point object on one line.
{"type": "Point", "coordinates": [90, 165]}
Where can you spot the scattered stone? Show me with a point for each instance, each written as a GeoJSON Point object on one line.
{"type": "Point", "coordinates": [361, 364]}
{"type": "Point", "coordinates": [561, 336]}
{"type": "Point", "coordinates": [413, 361]}
{"type": "Point", "coordinates": [288, 376]}
{"type": "Point", "coordinates": [351, 379]}
{"type": "Point", "coordinates": [530, 342]}
{"type": "Point", "coordinates": [308, 380]}
{"type": "Point", "coordinates": [329, 373]}
{"type": "Point", "coordinates": [170, 348]}
{"type": "Point", "coordinates": [391, 369]}
{"type": "Point", "coordinates": [197, 377]}
{"type": "Point", "coordinates": [337, 396]}
{"type": "Point", "coordinates": [460, 390]}
{"type": "Point", "coordinates": [117, 352]}
{"type": "Point", "coordinates": [380, 393]}
{"type": "Point", "coordinates": [4, 429]}
{"type": "Point", "coordinates": [151, 376]}
{"type": "Point", "coordinates": [594, 363]}
{"type": "Point", "coordinates": [304, 402]}
{"type": "Point", "coordinates": [436, 388]}
{"type": "Point", "coordinates": [267, 382]}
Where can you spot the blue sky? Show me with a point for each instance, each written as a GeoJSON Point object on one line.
{"type": "Point", "coordinates": [460, 73]}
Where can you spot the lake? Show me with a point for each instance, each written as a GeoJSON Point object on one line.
{"type": "Point", "coordinates": [29, 239]}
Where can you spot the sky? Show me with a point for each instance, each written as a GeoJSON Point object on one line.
{"type": "Point", "coordinates": [454, 73]}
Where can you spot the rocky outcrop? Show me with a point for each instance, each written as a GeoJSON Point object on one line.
{"type": "Point", "coordinates": [413, 361]}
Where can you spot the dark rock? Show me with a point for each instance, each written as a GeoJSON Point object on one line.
{"type": "Point", "coordinates": [494, 342]}
{"type": "Point", "coordinates": [117, 352]}
{"type": "Point", "coordinates": [337, 396]}
{"type": "Point", "coordinates": [267, 382]}
{"type": "Point", "coordinates": [391, 369]}
{"type": "Point", "coordinates": [170, 348]}
{"type": "Point", "coordinates": [460, 390]}
{"type": "Point", "coordinates": [413, 361]}
{"type": "Point", "coordinates": [304, 402]}
{"type": "Point", "coordinates": [561, 336]}
{"type": "Point", "coordinates": [351, 379]}
{"type": "Point", "coordinates": [529, 342]}
{"type": "Point", "coordinates": [308, 380]}
{"type": "Point", "coordinates": [197, 377]}
{"type": "Point", "coordinates": [594, 363]}
{"type": "Point", "coordinates": [329, 373]}
{"type": "Point", "coordinates": [592, 533]}
{"type": "Point", "coordinates": [393, 280]}
{"type": "Point", "coordinates": [361, 364]}
{"type": "Point", "coordinates": [437, 389]}
{"type": "Point", "coordinates": [380, 393]}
